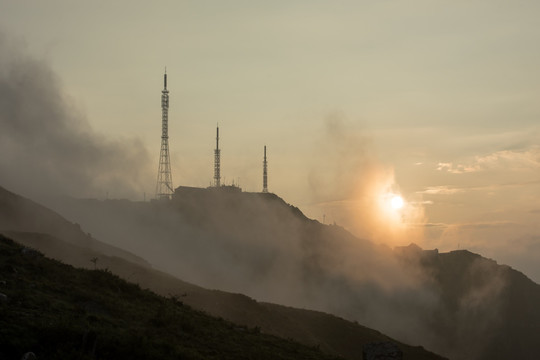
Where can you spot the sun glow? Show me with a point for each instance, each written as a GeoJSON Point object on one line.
{"type": "Point", "coordinates": [393, 210]}
{"type": "Point", "coordinates": [397, 202]}
{"type": "Point", "coordinates": [378, 211]}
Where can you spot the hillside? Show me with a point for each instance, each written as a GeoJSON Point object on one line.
{"type": "Point", "coordinates": [20, 214]}
{"type": "Point", "coordinates": [57, 311]}
{"type": "Point", "coordinates": [331, 334]}
{"type": "Point", "coordinates": [258, 245]}
{"type": "Point", "coordinates": [500, 302]}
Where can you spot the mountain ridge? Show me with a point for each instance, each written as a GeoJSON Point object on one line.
{"type": "Point", "coordinates": [270, 318]}
{"type": "Point", "coordinates": [444, 301]}
{"type": "Point", "coordinates": [19, 213]}
{"type": "Point", "coordinates": [260, 246]}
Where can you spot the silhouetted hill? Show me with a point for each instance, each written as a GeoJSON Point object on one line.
{"type": "Point", "coordinates": [331, 334]}
{"type": "Point", "coordinates": [20, 214]}
{"type": "Point", "coordinates": [458, 304]}
{"type": "Point", "coordinates": [57, 311]}
{"type": "Point", "coordinates": [488, 311]}
{"type": "Point", "coordinates": [259, 245]}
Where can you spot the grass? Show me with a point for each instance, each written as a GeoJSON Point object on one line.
{"type": "Point", "coordinates": [60, 312]}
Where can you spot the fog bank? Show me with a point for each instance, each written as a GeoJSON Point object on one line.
{"type": "Point", "coordinates": [48, 147]}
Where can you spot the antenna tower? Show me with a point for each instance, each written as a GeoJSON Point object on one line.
{"type": "Point", "coordinates": [265, 173]}
{"type": "Point", "coordinates": [164, 186]}
{"type": "Point", "coordinates": [217, 161]}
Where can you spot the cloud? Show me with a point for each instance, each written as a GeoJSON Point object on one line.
{"type": "Point", "coordinates": [499, 160]}
{"type": "Point", "coordinates": [48, 148]}
{"type": "Point", "coordinates": [456, 169]}
{"type": "Point", "coordinates": [435, 225]}
{"type": "Point", "coordinates": [453, 228]}
{"type": "Point", "coordinates": [529, 158]}
{"type": "Point", "coordinates": [486, 224]}
{"type": "Point", "coordinates": [440, 190]}
{"type": "Point", "coordinates": [449, 190]}
{"type": "Point", "coordinates": [351, 184]}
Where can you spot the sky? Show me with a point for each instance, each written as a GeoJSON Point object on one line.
{"type": "Point", "coordinates": [357, 102]}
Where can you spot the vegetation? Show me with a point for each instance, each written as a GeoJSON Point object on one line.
{"type": "Point", "coordinates": [60, 312]}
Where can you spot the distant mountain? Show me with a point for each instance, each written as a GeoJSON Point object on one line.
{"type": "Point", "coordinates": [487, 311]}
{"type": "Point", "coordinates": [20, 214]}
{"type": "Point", "coordinates": [458, 304]}
{"type": "Point", "coordinates": [329, 333]}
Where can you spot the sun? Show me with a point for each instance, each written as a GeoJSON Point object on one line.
{"type": "Point", "coordinates": [397, 202]}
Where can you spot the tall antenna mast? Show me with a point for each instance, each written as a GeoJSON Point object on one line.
{"type": "Point", "coordinates": [265, 173]}
{"type": "Point", "coordinates": [217, 161]}
{"type": "Point", "coordinates": [164, 186]}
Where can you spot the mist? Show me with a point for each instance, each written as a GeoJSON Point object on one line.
{"type": "Point", "coordinates": [248, 243]}
{"type": "Point", "coordinates": [258, 245]}
{"type": "Point", "coordinates": [352, 187]}
{"type": "Point", "coordinates": [48, 147]}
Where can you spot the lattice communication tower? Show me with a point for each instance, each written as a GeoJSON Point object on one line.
{"type": "Point", "coordinates": [164, 186]}
{"type": "Point", "coordinates": [217, 162]}
{"type": "Point", "coordinates": [265, 173]}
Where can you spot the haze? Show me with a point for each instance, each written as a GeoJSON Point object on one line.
{"type": "Point", "coordinates": [436, 101]}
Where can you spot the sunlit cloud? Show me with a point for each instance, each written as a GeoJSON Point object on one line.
{"type": "Point", "coordinates": [504, 159]}
{"type": "Point", "coordinates": [457, 168]}
{"type": "Point", "coordinates": [448, 190]}
{"type": "Point", "coordinates": [440, 190]}
{"type": "Point", "coordinates": [357, 190]}
{"type": "Point", "coordinates": [435, 225]}
{"type": "Point", "coordinates": [486, 224]}
{"type": "Point", "coordinates": [472, 225]}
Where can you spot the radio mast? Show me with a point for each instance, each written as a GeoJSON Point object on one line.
{"type": "Point", "coordinates": [265, 173]}
{"type": "Point", "coordinates": [164, 186]}
{"type": "Point", "coordinates": [217, 162]}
